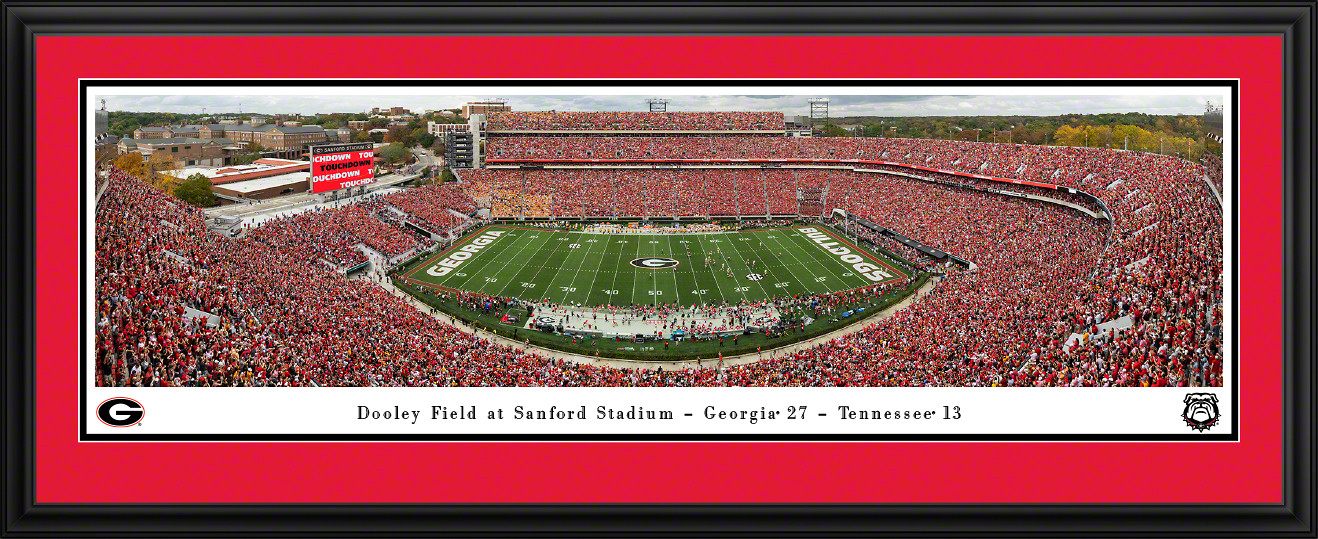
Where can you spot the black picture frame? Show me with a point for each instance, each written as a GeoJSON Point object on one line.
{"type": "Point", "coordinates": [23, 21]}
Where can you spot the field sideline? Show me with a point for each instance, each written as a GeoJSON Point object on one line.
{"type": "Point", "coordinates": [598, 269]}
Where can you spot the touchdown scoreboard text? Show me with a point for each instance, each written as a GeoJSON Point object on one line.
{"type": "Point", "coordinates": [340, 166]}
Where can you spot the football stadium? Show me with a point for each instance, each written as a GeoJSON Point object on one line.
{"type": "Point", "coordinates": [682, 249]}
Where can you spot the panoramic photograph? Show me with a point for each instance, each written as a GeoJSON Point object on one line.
{"type": "Point", "coordinates": [528, 240]}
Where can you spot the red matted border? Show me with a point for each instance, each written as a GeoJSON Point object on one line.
{"type": "Point", "coordinates": [1249, 471]}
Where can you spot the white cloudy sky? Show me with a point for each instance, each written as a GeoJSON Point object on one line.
{"type": "Point", "coordinates": [840, 105]}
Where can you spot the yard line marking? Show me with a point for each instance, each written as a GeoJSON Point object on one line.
{"type": "Point", "coordinates": [805, 284]}
{"type": "Point", "coordinates": [761, 282]}
{"type": "Point", "coordinates": [778, 263]}
{"type": "Point", "coordinates": [617, 268]}
{"type": "Point", "coordinates": [654, 299]}
{"type": "Point", "coordinates": [575, 274]}
{"type": "Point", "coordinates": [720, 287]}
{"type": "Point", "coordinates": [598, 267]}
{"type": "Point", "coordinates": [634, 281]}
{"type": "Point", "coordinates": [478, 264]}
{"type": "Point", "coordinates": [538, 269]}
{"type": "Point", "coordinates": [472, 274]}
{"type": "Point", "coordinates": [677, 289]}
{"type": "Point", "coordinates": [559, 267]}
{"type": "Point", "coordinates": [828, 265]}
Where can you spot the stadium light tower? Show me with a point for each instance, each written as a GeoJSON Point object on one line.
{"type": "Point", "coordinates": [658, 104]}
{"type": "Point", "coordinates": [818, 110]}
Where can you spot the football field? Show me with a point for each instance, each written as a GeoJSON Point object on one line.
{"type": "Point", "coordinates": [631, 269]}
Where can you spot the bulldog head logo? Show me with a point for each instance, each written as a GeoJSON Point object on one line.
{"type": "Point", "coordinates": [1201, 411]}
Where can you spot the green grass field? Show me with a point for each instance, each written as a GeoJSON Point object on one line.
{"type": "Point", "coordinates": [598, 269]}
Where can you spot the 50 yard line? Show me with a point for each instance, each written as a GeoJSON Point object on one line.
{"type": "Point", "coordinates": [654, 286]}
{"type": "Point", "coordinates": [676, 286]}
{"type": "Point", "coordinates": [634, 273]}
{"type": "Point", "coordinates": [677, 292]}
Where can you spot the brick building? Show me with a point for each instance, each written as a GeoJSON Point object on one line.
{"type": "Point", "coordinates": [283, 139]}
{"type": "Point", "coordinates": [185, 151]}
{"type": "Point", "coordinates": [484, 107]}
{"type": "Point", "coordinates": [341, 134]}
{"type": "Point", "coordinates": [169, 131]}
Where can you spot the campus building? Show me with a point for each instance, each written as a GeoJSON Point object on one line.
{"type": "Point", "coordinates": [186, 151]}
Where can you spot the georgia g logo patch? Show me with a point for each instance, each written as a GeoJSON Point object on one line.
{"type": "Point", "coordinates": [654, 262]}
{"type": "Point", "coordinates": [120, 412]}
{"type": "Point", "coordinates": [1201, 411]}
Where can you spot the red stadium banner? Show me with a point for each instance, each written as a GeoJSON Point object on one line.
{"type": "Point", "coordinates": [340, 166]}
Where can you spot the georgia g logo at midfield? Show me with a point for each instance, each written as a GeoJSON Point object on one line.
{"type": "Point", "coordinates": [654, 262]}
{"type": "Point", "coordinates": [120, 412]}
{"type": "Point", "coordinates": [1200, 411]}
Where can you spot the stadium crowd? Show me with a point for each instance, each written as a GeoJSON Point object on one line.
{"type": "Point", "coordinates": [613, 192]}
{"type": "Point", "coordinates": [1213, 169]}
{"type": "Point", "coordinates": [429, 206]}
{"type": "Point", "coordinates": [1044, 273]}
{"type": "Point", "coordinates": [1048, 164]}
{"type": "Point", "coordinates": [639, 121]}
{"type": "Point", "coordinates": [332, 232]}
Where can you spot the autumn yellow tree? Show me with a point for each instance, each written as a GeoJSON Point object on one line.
{"type": "Point", "coordinates": [1069, 136]}
{"type": "Point", "coordinates": [131, 163]}
{"type": "Point", "coordinates": [1133, 137]}
{"type": "Point", "coordinates": [1098, 136]}
{"type": "Point", "coordinates": [159, 163]}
